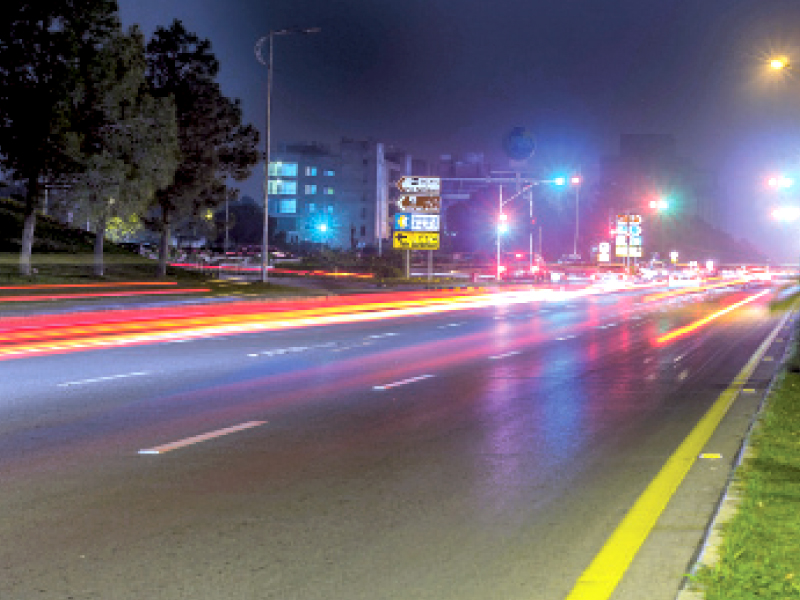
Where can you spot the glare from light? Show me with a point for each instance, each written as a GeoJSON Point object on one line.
{"type": "Point", "coordinates": [777, 64]}
{"type": "Point", "coordinates": [786, 213]}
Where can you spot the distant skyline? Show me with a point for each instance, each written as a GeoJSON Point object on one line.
{"type": "Point", "coordinates": [451, 76]}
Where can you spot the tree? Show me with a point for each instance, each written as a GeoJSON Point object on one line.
{"type": "Point", "coordinates": [128, 141]}
{"type": "Point", "coordinates": [41, 47]}
{"type": "Point", "coordinates": [214, 144]}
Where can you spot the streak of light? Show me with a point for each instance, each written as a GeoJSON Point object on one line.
{"type": "Point", "coordinates": [686, 329]}
{"type": "Point", "coordinates": [240, 268]}
{"type": "Point", "coordinates": [693, 290]}
{"type": "Point", "coordinates": [40, 286]}
{"type": "Point", "coordinates": [49, 335]}
{"type": "Point", "coordinates": [50, 297]}
{"type": "Point", "coordinates": [195, 439]}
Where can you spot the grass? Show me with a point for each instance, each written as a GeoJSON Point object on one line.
{"type": "Point", "coordinates": [759, 557]}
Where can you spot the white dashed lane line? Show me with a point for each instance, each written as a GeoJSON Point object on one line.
{"type": "Point", "coordinates": [101, 379]}
{"type": "Point", "coordinates": [388, 386]}
{"type": "Point", "coordinates": [506, 355]}
{"type": "Point", "coordinates": [196, 439]}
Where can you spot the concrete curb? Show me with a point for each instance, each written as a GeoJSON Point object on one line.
{"type": "Point", "coordinates": [708, 553]}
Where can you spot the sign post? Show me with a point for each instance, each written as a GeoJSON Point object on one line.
{"type": "Point", "coordinates": [417, 225]}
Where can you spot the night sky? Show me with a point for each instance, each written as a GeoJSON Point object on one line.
{"type": "Point", "coordinates": [451, 76]}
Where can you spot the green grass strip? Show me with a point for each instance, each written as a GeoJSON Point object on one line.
{"type": "Point", "coordinates": [760, 553]}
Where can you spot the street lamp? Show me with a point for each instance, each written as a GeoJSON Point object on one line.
{"type": "Point", "coordinates": [268, 63]}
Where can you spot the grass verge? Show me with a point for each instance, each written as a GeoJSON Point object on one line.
{"type": "Point", "coordinates": [759, 555]}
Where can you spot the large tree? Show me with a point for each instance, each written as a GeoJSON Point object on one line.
{"type": "Point", "coordinates": [42, 43]}
{"type": "Point", "coordinates": [215, 145]}
{"type": "Point", "coordinates": [127, 139]}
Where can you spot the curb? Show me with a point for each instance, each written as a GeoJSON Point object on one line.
{"type": "Point", "coordinates": [708, 552]}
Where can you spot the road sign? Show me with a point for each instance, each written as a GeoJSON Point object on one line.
{"type": "Point", "coordinates": [416, 222]}
{"type": "Point", "coordinates": [432, 204]}
{"type": "Point", "coordinates": [415, 240]}
{"type": "Point", "coordinates": [419, 185]}
{"type": "Point", "coordinates": [604, 247]}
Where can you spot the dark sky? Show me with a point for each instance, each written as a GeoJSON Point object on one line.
{"type": "Point", "coordinates": [449, 76]}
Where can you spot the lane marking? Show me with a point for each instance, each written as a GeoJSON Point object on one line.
{"type": "Point", "coordinates": [195, 439]}
{"type": "Point", "coordinates": [683, 374]}
{"type": "Point", "coordinates": [382, 335]}
{"type": "Point", "coordinates": [604, 573]}
{"type": "Point", "coordinates": [566, 337]}
{"type": "Point", "coordinates": [389, 386]}
{"type": "Point", "coordinates": [101, 379]}
{"type": "Point", "coordinates": [711, 455]}
{"type": "Point", "coordinates": [506, 355]}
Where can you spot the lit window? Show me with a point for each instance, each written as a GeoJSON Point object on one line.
{"type": "Point", "coordinates": [311, 189]}
{"type": "Point", "coordinates": [330, 208]}
{"type": "Point", "coordinates": [328, 190]}
{"type": "Point", "coordinates": [329, 173]}
{"type": "Point", "coordinates": [287, 207]}
{"type": "Point", "coordinates": [311, 207]}
{"type": "Point", "coordinates": [311, 171]}
{"type": "Point", "coordinates": [282, 169]}
{"type": "Point", "coordinates": [280, 186]}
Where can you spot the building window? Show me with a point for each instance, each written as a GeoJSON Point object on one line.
{"type": "Point", "coordinates": [311, 207]}
{"type": "Point", "coordinates": [287, 207]}
{"type": "Point", "coordinates": [364, 212]}
{"type": "Point", "coordinates": [311, 189]}
{"type": "Point", "coordinates": [330, 209]}
{"type": "Point", "coordinates": [329, 173]}
{"type": "Point", "coordinates": [328, 190]}
{"type": "Point", "coordinates": [363, 231]}
{"type": "Point", "coordinates": [282, 169]}
{"type": "Point", "coordinates": [280, 186]}
{"type": "Point", "coordinates": [311, 171]}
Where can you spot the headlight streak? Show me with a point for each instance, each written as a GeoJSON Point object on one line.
{"type": "Point", "coordinates": [686, 329]}
{"type": "Point", "coordinates": [64, 338]}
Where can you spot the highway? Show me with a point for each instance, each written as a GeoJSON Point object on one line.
{"type": "Point", "coordinates": [481, 448]}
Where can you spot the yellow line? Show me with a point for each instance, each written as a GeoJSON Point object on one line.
{"type": "Point", "coordinates": [604, 573]}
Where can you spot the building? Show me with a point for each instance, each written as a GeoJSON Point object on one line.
{"type": "Point", "coordinates": [339, 197]}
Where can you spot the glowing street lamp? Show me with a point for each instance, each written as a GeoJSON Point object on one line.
{"type": "Point", "coordinates": [778, 64]}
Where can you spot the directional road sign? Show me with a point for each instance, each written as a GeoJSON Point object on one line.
{"type": "Point", "coordinates": [419, 185]}
{"type": "Point", "coordinates": [415, 240]}
{"type": "Point", "coordinates": [416, 222]}
{"type": "Point", "coordinates": [432, 204]}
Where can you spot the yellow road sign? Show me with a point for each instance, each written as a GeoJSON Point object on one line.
{"type": "Point", "coordinates": [415, 240]}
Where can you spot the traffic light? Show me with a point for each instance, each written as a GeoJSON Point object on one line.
{"type": "Point", "coordinates": [502, 223]}
{"type": "Point", "coordinates": [560, 180]}
{"type": "Point", "coordinates": [575, 180]}
{"type": "Point", "coordinates": [780, 181]}
{"type": "Point", "coordinates": [659, 205]}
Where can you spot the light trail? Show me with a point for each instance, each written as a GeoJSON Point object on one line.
{"type": "Point", "coordinates": [686, 329]}
{"type": "Point", "coordinates": [51, 297]}
{"type": "Point", "coordinates": [105, 284]}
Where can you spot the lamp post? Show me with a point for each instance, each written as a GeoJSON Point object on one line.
{"type": "Point", "coordinates": [268, 63]}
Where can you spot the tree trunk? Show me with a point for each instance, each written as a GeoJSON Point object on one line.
{"type": "Point", "coordinates": [99, 238]}
{"type": "Point", "coordinates": [163, 248]}
{"type": "Point", "coordinates": [29, 225]}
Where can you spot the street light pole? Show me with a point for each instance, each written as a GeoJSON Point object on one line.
{"type": "Point", "coordinates": [258, 50]}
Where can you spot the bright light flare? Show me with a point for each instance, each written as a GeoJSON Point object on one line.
{"type": "Point", "coordinates": [786, 213]}
{"type": "Point", "coordinates": [687, 329]}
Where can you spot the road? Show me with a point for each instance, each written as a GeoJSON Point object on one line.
{"type": "Point", "coordinates": [481, 453]}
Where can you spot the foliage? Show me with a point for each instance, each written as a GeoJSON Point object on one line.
{"type": "Point", "coordinates": [758, 558]}
{"type": "Point", "coordinates": [127, 140]}
{"type": "Point", "coordinates": [214, 144]}
{"type": "Point", "coordinates": [42, 45]}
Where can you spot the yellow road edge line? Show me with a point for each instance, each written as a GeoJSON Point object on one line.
{"type": "Point", "coordinates": [602, 576]}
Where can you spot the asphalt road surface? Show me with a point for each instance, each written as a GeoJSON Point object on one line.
{"type": "Point", "coordinates": [485, 453]}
